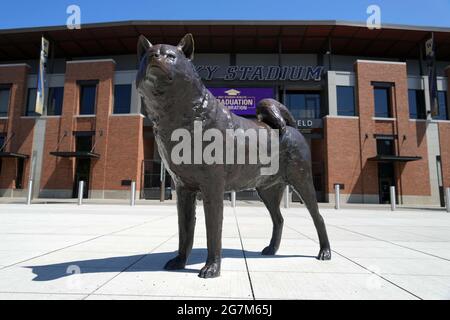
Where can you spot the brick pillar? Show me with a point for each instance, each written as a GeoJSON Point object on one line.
{"type": "Point", "coordinates": [444, 139]}
{"type": "Point", "coordinates": [412, 177]}
{"type": "Point", "coordinates": [19, 130]}
{"type": "Point", "coordinates": [103, 72]}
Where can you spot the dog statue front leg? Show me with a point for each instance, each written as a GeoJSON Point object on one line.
{"type": "Point", "coordinates": [213, 205]}
{"type": "Point", "coordinates": [186, 224]}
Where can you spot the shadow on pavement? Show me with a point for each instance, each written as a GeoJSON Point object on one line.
{"type": "Point", "coordinates": [137, 263]}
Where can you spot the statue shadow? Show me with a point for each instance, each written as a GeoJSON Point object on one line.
{"type": "Point", "coordinates": [138, 263]}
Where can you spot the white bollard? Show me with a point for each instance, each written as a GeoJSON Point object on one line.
{"type": "Point", "coordinates": [447, 193]}
{"type": "Point", "coordinates": [133, 193]}
{"type": "Point", "coordinates": [392, 194]}
{"type": "Point", "coordinates": [80, 192]}
{"type": "Point", "coordinates": [286, 197]}
{"type": "Point", "coordinates": [30, 191]}
{"type": "Point", "coordinates": [337, 196]}
{"type": "Point", "coordinates": [233, 199]}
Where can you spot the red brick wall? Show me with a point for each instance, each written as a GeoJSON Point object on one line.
{"type": "Point", "coordinates": [351, 142]}
{"type": "Point", "coordinates": [118, 139]}
{"type": "Point", "coordinates": [125, 151]}
{"type": "Point", "coordinates": [20, 129]}
{"type": "Point", "coordinates": [57, 173]}
{"type": "Point", "coordinates": [444, 139]}
{"type": "Point", "coordinates": [342, 154]}
{"type": "Point", "coordinates": [411, 135]}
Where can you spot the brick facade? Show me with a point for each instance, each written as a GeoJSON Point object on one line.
{"type": "Point", "coordinates": [123, 142]}
{"type": "Point", "coordinates": [351, 141]}
{"type": "Point", "coordinates": [18, 129]}
{"type": "Point", "coordinates": [118, 138]}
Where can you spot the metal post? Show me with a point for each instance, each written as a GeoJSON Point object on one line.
{"type": "Point", "coordinates": [233, 199]}
{"type": "Point", "coordinates": [80, 192]}
{"type": "Point", "coordinates": [286, 197]}
{"type": "Point", "coordinates": [392, 193]}
{"type": "Point", "coordinates": [337, 196]}
{"type": "Point", "coordinates": [30, 191]}
{"type": "Point", "coordinates": [162, 191]}
{"type": "Point", "coordinates": [447, 193]}
{"type": "Point", "coordinates": [133, 193]}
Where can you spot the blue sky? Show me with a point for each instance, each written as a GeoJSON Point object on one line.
{"type": "Point", "coordinates": [32, 13]}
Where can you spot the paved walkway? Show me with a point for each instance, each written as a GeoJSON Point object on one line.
{"type": "Point", "coordinates": [62, 251]}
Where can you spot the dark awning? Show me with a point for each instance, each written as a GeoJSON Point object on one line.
{"type": "Point", "coordinates": [76, 154]}
{"type": "Point", "coordinates": [13, 155]}
{"type": "Point", "coordinates": [391, 158]}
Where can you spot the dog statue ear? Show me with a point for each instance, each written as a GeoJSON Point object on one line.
{"type": "Point", "coordinates": [142, 46]}
{"type": "Point", "coordinates": [187, 46]}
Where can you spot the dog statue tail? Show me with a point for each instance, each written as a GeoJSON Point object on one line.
{"type": "Point", "coordinates": [274, 114]}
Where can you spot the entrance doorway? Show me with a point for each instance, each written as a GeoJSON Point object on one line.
{"type": "Point", "coordinates": [82, 165]}
{"type": "Point", "coordinates": [386, 179]}
{"type": "Point", "coordinates": [386, 170]}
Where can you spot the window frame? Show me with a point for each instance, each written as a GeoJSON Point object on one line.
{"type": "Point", "coordinates": [128, 85]}
{"type": "Point", "coordinates": [322, 113]}
{"type": "Point", "coordinates": [51, 90]}
{"type": "Point", "coordinates": [380, 139]}
{"type": "Point", "coordinates": [81, 85]}
{"type": "Point", "coordinates": [27, 112]}
{"type": "Point", "coordinates": [355, 113]}
{"type": "Point", "coordinates": [447, 116]}
{"type": "Point", "coordinates": [419, 115]}
{"type": "Point", "coordinates": [6, 87]}
{"type": "Point", "coordinates": [388, 87]}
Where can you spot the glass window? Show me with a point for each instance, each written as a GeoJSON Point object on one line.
{"type": "Point", "coordinates": [88, 98]}
{"type": "Point", "coordinates": [382, 102]}
{"type": "Point", "coordinates": [4, 102]}
{"type": "Point", "coordinates": [55, 101]}
{"type": "Point", "coordinates": [122, 98]}
{"type": "Point", "coordinates": [31, 102]}
{"type": "Point", "coordinates": [416, 99]}
{"type": "Point", "coordinates": [442, 106]}
{"type": "Point", "coordinates": [345, 101]}
{"type": "Point", "coordinates": [84, 143]}
{"type": "Point", "coordinates": [2, 141]}
{"type": "Point", "coordinates": [304, 105]}
{"type": "Point", "coordinates": [385, 147]}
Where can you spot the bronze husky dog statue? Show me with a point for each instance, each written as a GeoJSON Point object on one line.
{"type": "Point", "coordinates": [174, 97]}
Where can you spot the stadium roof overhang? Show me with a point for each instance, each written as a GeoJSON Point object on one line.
{"type": "Point", "coordinates": [338, 37]}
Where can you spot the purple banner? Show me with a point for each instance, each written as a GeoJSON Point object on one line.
{"type": "Point", "coordinates": [241, 101]}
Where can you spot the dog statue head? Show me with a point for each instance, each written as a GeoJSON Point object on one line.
{"type": "Point", "coordinates": [166, 73]}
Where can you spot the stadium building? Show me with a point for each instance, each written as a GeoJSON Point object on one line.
{"type": "Point", "coordinates": [361, 98]}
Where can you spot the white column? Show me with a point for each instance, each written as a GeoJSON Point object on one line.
{"type": "Point", "coordinates": [133, 193]}
{"type": "Point", "coordinates": [233, 199]}
{"type": "Point", "coordinates": [80, 192]}
{"type": "Point", "coordinates": [337, 196]}
{"type": "Point", "coordinates": [392, 194]}
{"type": "Point", "coordinates": [286, 197]}
{"type": "Point", "coordinates": [30, 191]}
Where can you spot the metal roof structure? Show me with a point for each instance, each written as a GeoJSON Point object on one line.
{"type": "Point", "coordinates": [338, 37]}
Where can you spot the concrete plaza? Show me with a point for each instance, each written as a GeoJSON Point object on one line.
{"type": "Point", "coordinates": [98, 251]}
